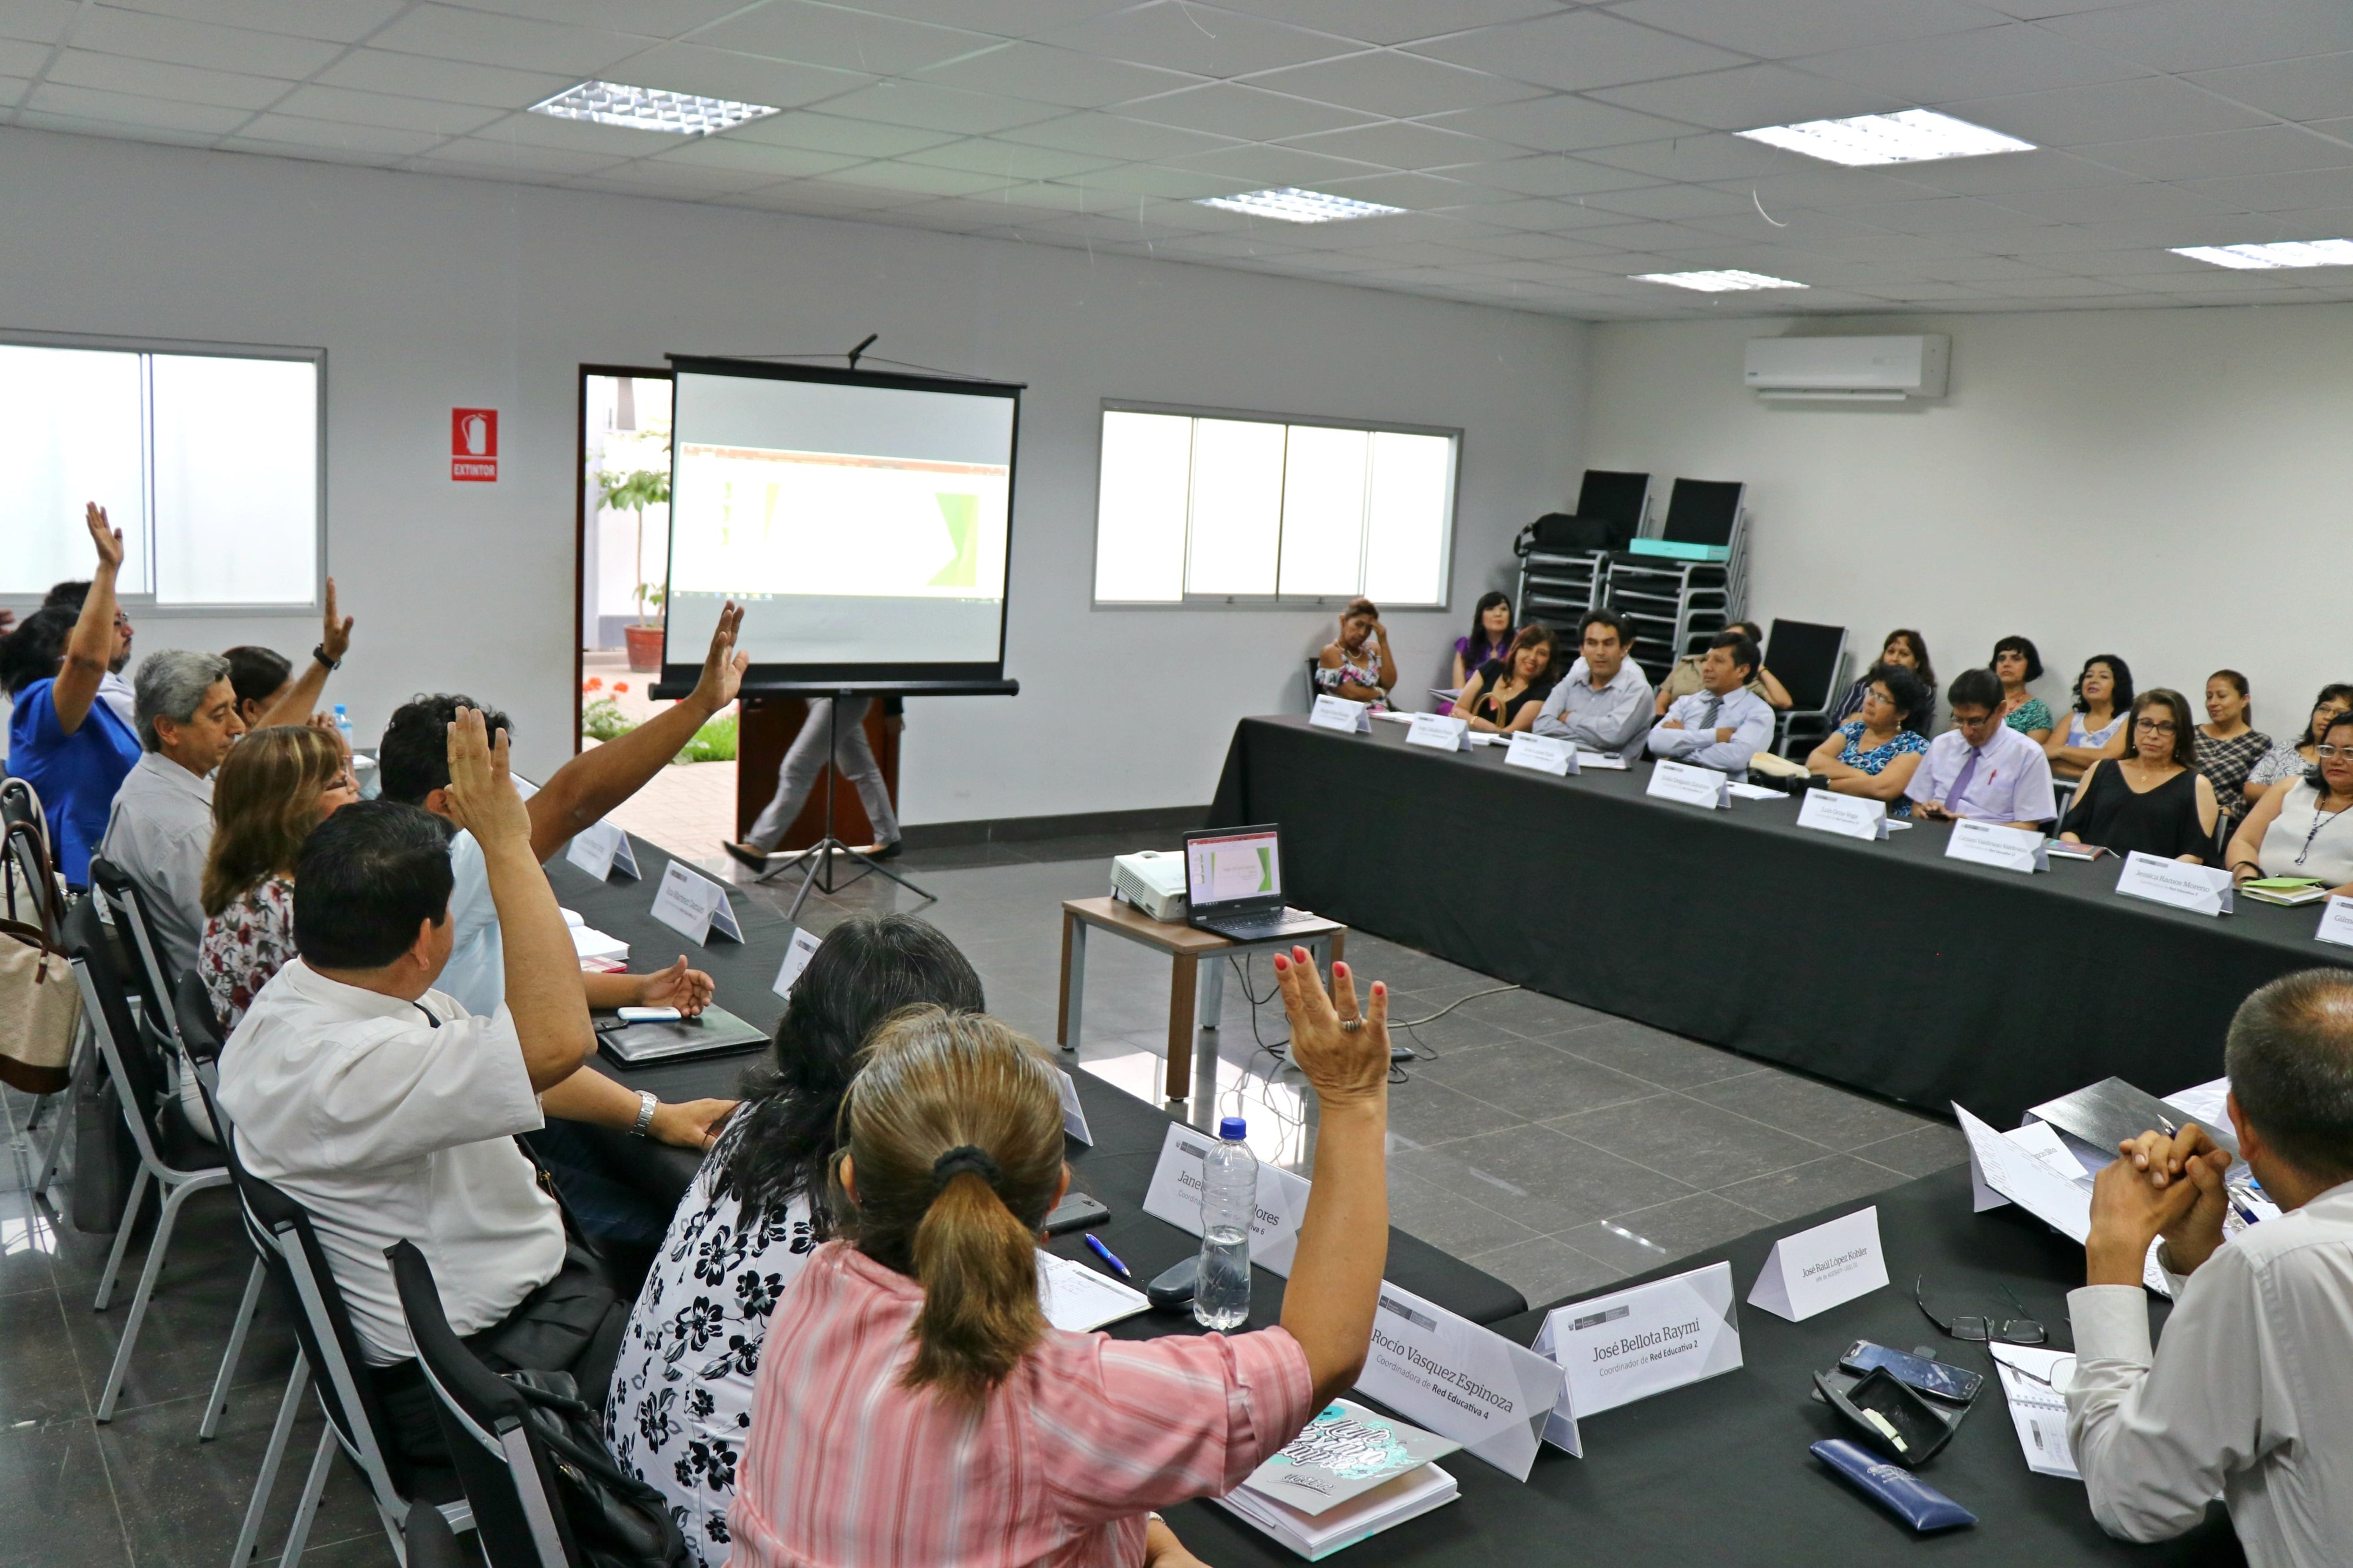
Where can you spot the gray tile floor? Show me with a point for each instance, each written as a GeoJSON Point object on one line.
{"type": "Point", "coordinates": [1554, 1147]}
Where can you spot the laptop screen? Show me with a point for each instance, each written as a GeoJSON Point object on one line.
{"type": "Point", "coordinates": [1242, 865]}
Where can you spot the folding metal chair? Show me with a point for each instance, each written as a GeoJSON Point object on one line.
{"type": "Point", "coordinates": [192, 1009]}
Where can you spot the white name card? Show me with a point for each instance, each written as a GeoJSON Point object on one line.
{"type": "Point", "coordinates": [1339, 713]}
{"type": "Point", "coordinates": [2005, 848]}
{"type": "Point", "coordinates": [1631, 1344]}
{"type": "Point", "coordinates": [1438, 732]}
{"type": "Point", "coordinates": [1074, 1115]}
{"type": "Point", "coordinates": [1460, 1380]}
{"type": "Point", "coordinates": [694, 906]}
{"type": "Point", "coordinates": [1175, 1195]}
{"type": "Point", "coordinates": [2336, 921]}
{"type": "Point", "coordinates": [1826, 1266]}
{"type": "Point", "coordinates": [1544, 754]}
{"type": "Point", "coordinates": [797, 953]}
{"type": "Point", "coordinates": [1850, 815]}
{"type": "Point", "coordinates": [2200, 890]}
{"type": "Point", "coordinates": [601, 850]}
{"type": "Point", "coordinates": [1692, 785]}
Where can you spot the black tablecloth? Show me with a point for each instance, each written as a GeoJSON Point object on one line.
{"type": "Point", "coordinates": [1882, 966]}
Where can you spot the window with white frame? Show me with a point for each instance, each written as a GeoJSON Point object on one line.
{"type": "Point", "coordinates": [1213, 509]}
{"type": "Point", "coordinates": [209, 463]}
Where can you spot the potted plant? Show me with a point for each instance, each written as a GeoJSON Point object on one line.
{"type": "Point", "coordinates": [634, 491]}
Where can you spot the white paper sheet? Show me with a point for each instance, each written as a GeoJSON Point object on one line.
{"type": "Point", "coordinates": [2039, 1409]}
{"type": "Point", "coordinates": [1077, 1299]}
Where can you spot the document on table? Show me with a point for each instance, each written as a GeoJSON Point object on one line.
{"type": "Point", "coordinates": [1757, 792]}
{"type": "Point", "coordinates": [2038, 1405]}
{"type": "Point", "coordinates": [1077, 1299]}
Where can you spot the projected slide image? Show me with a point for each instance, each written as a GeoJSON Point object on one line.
{"type": "Point", "coordinates": [754, 520]}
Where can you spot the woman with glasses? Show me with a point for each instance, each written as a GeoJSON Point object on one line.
{"type": "Point", "coordinates": [2300, 829]}
{"type": "Point", "coordinates": [2152, 799]}
{"type": "Point", "coordinates": [2292, 760]}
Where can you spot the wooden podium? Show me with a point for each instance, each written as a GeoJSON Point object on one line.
{"type": "Point", "coordinates": [765, 731]}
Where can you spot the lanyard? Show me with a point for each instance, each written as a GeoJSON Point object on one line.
{"type": "Point", "coordinates": [2319, 821]}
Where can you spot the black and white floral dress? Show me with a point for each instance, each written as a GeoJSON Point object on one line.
{"type": "Point", "coordinates": [680, 1404]}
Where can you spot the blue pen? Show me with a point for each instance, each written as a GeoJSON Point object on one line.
{"type": "Point", "coordinates": [1108, 1256]}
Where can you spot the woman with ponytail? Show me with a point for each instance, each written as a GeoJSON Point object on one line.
{"type": "Point", "coordinates": [681, 1394]}
{"type": "Point", "coordinates": [916, 1410]}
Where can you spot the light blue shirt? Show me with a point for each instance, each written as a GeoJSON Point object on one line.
{"type": "Point", "coordinates": [1604, 719]}
{"type": "Point", "coordinates": [476, 974]}
{"type": "Point", "coordinates": [1748, 716]}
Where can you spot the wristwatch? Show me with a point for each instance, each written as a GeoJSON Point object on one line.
{"type": "Point", "coordinates": [319, 653]}
{"type": "Point", "coordinates": [647, 1105]}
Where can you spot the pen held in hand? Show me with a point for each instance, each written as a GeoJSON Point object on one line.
{"type": "Point", "coordinates": [1108, 1256]}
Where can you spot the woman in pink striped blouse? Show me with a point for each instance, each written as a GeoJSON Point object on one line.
{"type": "Point", "coordinates": [913, 1408]}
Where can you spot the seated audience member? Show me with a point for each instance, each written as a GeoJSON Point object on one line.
{"type": "Point", "coordinates": [1875, 753]}
{"type": "Point", "coordinates": [1904, 650]}
{"type": "Point", "coordinates": [2095, 727]}
{"type": "Point", "coordinates": [2301, 829]}
{"type": "Point", "coordinates": [1489, 638]}
{"type": "Point", "coordinates": [677, 1412]}
{"type": "Point", "coordinates": [2288, 761]}
{"type": "Point", "coordinates": [1723, 724]}
{"type": "Point", "coordinates": [2229, 745]}
{"type": "Point", "coordinates": [266, 691]}
{"type": "Point", "coordinates": [1358, 665]}
{"type": "Point", "coordinates": [113, 689]}
{"type": "Point", "coordinates": [389, 1112]}
{"type": "Point", "coordinates": [1504, 695]}
{"type": "Point", "coordinates": [2152, 799]}
{"type": "Point", "coordinates": [2015, 663]}
{"type": "Point", "coordinates": [161, 826]}
{"type": "Point", "coordinates": [1684, 679]}
{"type": "Point", "coordinates": [1603, 703]}
{"type": "Point", "coordinates": [913, 1404]}
{"type": "Point", "coordinates": [275, 787]}
{"type": "Point", "coordinates": [2249, 1397]}
{"type": "Point", "coordinates": [1981, 768]}
{"type": "Point", "coordinates": [72, 748]}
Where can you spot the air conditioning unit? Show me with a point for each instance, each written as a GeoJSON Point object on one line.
{"type": "Point", "coordinates": [1848, 370]}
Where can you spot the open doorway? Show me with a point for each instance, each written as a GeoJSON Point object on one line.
{"type": "Point", "coordinates": [622, 542]}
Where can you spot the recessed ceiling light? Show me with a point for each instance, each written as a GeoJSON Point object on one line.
{"type": "Point", "coordinates": [1730, 281]}
{"type": "Point", "coordinates": [1915, 136]}
{"type": "Point", "coordinates": [1293, 204]}
{"type": "Point", "coordinates": [651, 109]}
{"type": "Point", "coordinates": [2279, 253]}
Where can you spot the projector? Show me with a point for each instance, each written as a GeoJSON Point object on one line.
{"type": "Point", "coordinates": [1152, 880]}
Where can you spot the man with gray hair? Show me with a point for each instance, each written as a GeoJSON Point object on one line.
{"type": "Point", "coordinates": [161, 827]}
{"type": "Point", "coordinates": [2249, 1397]}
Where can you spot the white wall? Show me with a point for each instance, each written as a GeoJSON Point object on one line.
{"type": "Point", "coordinates": [430, 292]}
{"type": "Point", "coordinates": [2171, 485]}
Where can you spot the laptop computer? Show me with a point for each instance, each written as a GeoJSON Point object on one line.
{"type": "Point", "coordinates": [1233, 885]}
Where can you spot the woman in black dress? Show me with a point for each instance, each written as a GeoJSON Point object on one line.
{"type": "Point", "coordinates": [1506, 693]}
{"type": "Point", "coordinates": [2152, 799]}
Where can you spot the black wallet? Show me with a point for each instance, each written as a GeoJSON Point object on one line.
{"type": "Point", "coordinates": [1889, 1416]}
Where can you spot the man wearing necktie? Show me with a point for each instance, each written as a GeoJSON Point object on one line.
{"type": "Point", "coordinates": [1723, 724]}
{"type": "Point", "coordinates": [1981, 769]}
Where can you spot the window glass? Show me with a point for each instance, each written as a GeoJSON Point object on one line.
{"type": "Point", "coordinates": [1406, 521]}
{"type": "Point", "coordinates": [1140, 504]}
{"type": "Point", "coordinates": [1324, 510]}
{"type": "Point", "coordinates": [71, 433]}
{"type": "Point", "coordinates": [1237, 516]}
{"type": "Point", "coordinates": [237, 497]}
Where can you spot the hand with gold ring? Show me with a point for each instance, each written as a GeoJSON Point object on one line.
{"type": "Point", "coordinates": [1344, 1052]}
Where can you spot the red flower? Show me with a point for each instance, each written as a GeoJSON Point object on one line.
{"type": "Point", "coordinates": [621, 686]}
{"type": "Point", "coordinates": [594, 683]}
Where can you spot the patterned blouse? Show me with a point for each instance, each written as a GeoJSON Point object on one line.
{"type": "Point", "coordinates": [681, 1401]}
{"type": "Point", "coordinates": [2031, 715]}
{"type": "Point", "coordinates": [1358, 667]}
{"type": "Point", "coordinates": [1874, 762]}
{"type": "Point", "coordinates": [2226, 764]}
{"type": "Point", "coordinates": [2282, 762]}
{"type": "Point", "coordinates": [245, 944]}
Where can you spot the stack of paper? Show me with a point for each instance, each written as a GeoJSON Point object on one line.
{"type": "Point", "coordinates": [2035, 1380]}
{"type": "Point", "coordinates": [1350, 1475]}
{"type": "Point", "coordinates": [1076, 1298]}
{"type": "Point", "coordinates": [587, 941]}
{"type": "Point", "coordinates": [2290, 890]}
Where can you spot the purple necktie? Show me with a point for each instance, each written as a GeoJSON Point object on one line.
{"type": "Point", "coordinates": [1961, 784]}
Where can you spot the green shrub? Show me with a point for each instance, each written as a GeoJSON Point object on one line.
{"type": "Point", "coordinates": [714, 742]}
{"type": "Point", "coordinates": [601, 721]}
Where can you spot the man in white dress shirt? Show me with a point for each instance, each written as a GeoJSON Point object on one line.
{"type": "Point", "coordinates": [1604, 702]}
{"type": "Point", "coordinates": [1981, 769]}
{"type": "Point", "coordinates": [1723, 724]}
{"type": "Point", "coordinates": [2249, 1396]}
{"type": "Point", "coordinates": [160, 827]}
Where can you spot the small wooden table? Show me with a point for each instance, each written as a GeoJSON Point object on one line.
{"type": "Point", "coordinates": [1189, 980]}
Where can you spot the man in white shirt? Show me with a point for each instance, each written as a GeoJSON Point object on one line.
{"type": "Point", "coordinates": [2249, 1396]}
{"type": "Point", "coordinates": [160, 827]}
{"type": "Point", "coordinates": [389, 1112]}
{"type": "Point", "coordinates": [1723, 724]}
{"type": "Point", "coordinates": [1603, 704]}
{"type": "Point", "coordinates": [1981, 769]}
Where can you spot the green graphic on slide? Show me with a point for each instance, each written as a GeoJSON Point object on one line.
{"type": "Point", "coordinates": [962, 514]}
{"type": "Point", "coordinates": [1265, 869]}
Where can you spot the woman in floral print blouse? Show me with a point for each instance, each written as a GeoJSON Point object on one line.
{"type": "Point", "coordinates": [681, 1394]}
{"type": "Point", "coordinates": [276, 786]}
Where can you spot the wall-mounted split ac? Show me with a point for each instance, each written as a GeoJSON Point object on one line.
{"type": "Point", "coordinates": [1848, 370]}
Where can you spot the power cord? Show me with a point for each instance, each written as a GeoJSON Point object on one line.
{"type": "Point", "coordinates": [1275, 1049]}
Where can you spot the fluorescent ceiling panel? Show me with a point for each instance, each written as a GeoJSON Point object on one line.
{"type": "Point", "coordinates": [1732, 281]}
{"type": "Point", "coordinates": [1293, 204]}
{"type": "Point", "coordinates": [651, 109]}
{"type": "Point", "coordinates": [2280, 253]}
{"type": "Point", "coordinates": [1915, 136]}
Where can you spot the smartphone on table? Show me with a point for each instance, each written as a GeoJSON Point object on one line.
{"type": "Point", "coordinates": [1942, 1379]}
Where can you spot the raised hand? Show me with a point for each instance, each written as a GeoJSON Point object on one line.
{"type": "Point", "coordinates": [107, 538]}
{"type": "Point", "coordinates": [722, 666]}
{"type": "Point", "coordinates": [1344, 1053]}
{"type": "Point", "coordinates": [481, 793]}
{"type": "Point", "coordinates": [336, 635]}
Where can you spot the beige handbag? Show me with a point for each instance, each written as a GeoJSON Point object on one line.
{"type": "Point", "coordinates": [40, 1005]}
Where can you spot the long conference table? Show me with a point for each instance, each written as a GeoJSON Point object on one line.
{"type": "Point", "coordinates": [1717, 1472]}
{"type": "Point", "coordinates": [1885, 965]}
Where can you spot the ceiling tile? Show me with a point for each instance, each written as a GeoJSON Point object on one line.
{"type": "Point", "coordinates": [1560, 124]}
{"type": "Point", "coordinates": [379, 140]}
{"type": "Point", "coordinates": [2017, 57]}
{"type": "Point", "coordinates": [1672, 202]}
{"type": "Point", "coordinates": [753, 157]}
{"type": "Point", "coordinates": [2148, 199]}
{"type": "Point", "coordinates": [2317, 89]}
{"type": "Point", "coordinates": [829, 196]}
{"type": "Point", "coordinates": [1541, 216]}
{"type": "Point", "coordinates": [1937, 215]}
{"type": "Point", "coordinates": [1115, 137]}
{"type": "Point", "coordinates": [1009, 161]}
{"type": "Point", "coordinates": [1048, 196]}
{"type": "Point", "coordinates": [1403, 144]}
{"type": "Point", "coordinates": [2196, 35]}
{"type": "Point", "coordinates": [2276, 148]}
{"type": "Point", "coordinates": [1751, 96]}
{"type": "Point", "coordinates": [642, 18]}
{"type": "Point", "coordinates": [675, 183]}
{"type": "Point", "coordinates": [2281, 192]}
{"type": "Point", "coordinates": [453, 81]}
{"type": "Point", "coordinates": [41, 21]}
{"type": "Point", "coordinates": [1260, 166]}
{"type": "Point", "coordinates": [1421, 193]}
{"type": "Point", "coordinates": [1398, 21]}
{"type": "Point", "coordinates": [1227, 109]}
{"type": "Point", "coordinates": [182, 84]}
{"type": "Point", "coordinates": [1062, 76]}
{"type": "Point", "coordinates": [134, 109]}
{"type": "Point", "coordinates": [1536, 247]}
{"type": "Point", "coordinates": [845, 39]}
{"type": "Point", "coordinates": [200, 44]}
{"type": "Point", "coordinates": [477, 155]}
{"type": "Point", "coordinates": [1125, 180]}
{"type": "Point", "coordinates": [579, 135]}
{"type": "Point", "coordinates": [351, 108]}
{"type": "Point", "coordinates": [344, 21]}
{"type": "Point", "coordinates": [1776, 32]}
{"type": "Point", "coordinates": [2108, 111]}
{"type": "Point", "coordinates": [1555, 174]}
{"type": "Point", "coordinates": [1005, 18]}
{"type": "Point", "coordinates": [1702, 156]}
{"type": "Point", "coordinates": [2042, 170]}
{"type": "Point", "coordinates": [1196, 39]}
{"type": "Point", "coordinates": [448, 32]}
{"type": "Point", "coordinates": [930, 107]}
{"type": "Point", "coordinates": [749, 79]}
{"type": "Point", "coordinates": [832, 134]}
{"type": "Point", "coordinates": [892, 175]}
{"type": "Point", "coordinates": [1396, 85]}
{"type": "Point", "coordinates": [1576, 50]}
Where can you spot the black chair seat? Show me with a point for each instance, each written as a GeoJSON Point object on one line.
{"type": "Point", "coordinates": [181, 1147]}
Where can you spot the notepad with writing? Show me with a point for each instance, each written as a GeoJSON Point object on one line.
{"type": "Point", "coordinates": [1076, 1298]}
{"type": "Point", "coordinates": [1350, 1474]}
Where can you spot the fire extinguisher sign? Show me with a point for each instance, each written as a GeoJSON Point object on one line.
{"type": "Point", "coordinates": [474, 443]}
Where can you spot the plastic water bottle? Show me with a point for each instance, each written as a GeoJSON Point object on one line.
{"type": "Point", "coordinates": [343, 725]}
{"type": "Point", "coordinates": [1229, 1201]}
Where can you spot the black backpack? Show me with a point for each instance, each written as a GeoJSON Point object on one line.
{"type": "Point", "coordinates": [616, 1520]}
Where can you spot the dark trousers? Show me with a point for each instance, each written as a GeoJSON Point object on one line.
{"type": "Point", "coordinates": [573, 1324]}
